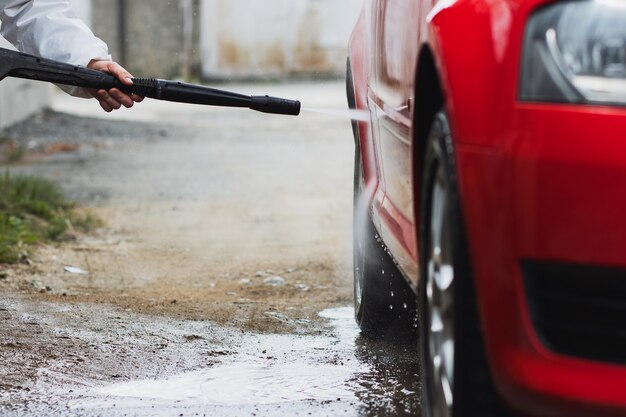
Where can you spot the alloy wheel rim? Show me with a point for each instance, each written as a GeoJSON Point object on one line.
{"type": "Point", "coordinates": [440, 303]}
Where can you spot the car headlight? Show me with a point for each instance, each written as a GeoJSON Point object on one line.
{"type": "Point", "coordinates": [575, 52]}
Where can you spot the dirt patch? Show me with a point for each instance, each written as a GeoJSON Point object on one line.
{"type": "Point", "coordinates": [260, 296]}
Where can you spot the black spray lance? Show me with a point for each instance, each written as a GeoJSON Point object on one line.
{"type": "Point", "coordinates": [19, 65]}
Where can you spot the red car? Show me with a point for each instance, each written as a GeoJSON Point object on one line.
{"type": "Point", "coordinates": [488, 194]}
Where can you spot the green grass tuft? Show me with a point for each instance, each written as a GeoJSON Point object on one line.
{"type": "Point", "coordinates": [35, 210]}
{"type": "Point", "coordinates": [15, 154]}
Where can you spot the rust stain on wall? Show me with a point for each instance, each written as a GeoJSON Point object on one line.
{"type": "Point", "coordinates": [306, 45]}
{"type": "Point", "coordinates": [311, 58]}
{"type": "Point", "coordinates": [231, 55]}
{"type": "Point", "coordinates": [272, 56]}
{"type": "Point", "coordinates": [308, 54]}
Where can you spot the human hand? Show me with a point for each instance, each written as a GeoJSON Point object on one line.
{"type": "Point", "coordinates": [113, 99]}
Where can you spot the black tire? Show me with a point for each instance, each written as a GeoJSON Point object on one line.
{"type": "Point", "coordinates": [472, 387]}
{"type": "Point", "coordinates": [384, 304]}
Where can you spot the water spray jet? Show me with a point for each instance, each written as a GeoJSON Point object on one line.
{"type": "Point", "coordinates": [352, 114]}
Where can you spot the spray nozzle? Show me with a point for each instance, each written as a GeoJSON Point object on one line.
{"type": "Point", "coordinates": [276, 105]}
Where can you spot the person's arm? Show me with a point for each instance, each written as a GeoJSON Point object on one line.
{"type": "Point", "coordinates": [51, 29]}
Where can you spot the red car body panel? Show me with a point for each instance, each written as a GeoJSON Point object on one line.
{"type": "Point", "coordinates": [537, 181]}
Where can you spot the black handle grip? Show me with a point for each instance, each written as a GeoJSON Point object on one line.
{"type": "Point", "coordinates": [145, 87]}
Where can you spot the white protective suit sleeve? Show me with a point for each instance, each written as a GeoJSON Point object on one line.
{"type": "Point", "coordinates": [51, 29]}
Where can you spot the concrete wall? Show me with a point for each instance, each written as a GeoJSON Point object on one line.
{"type": "Point", "coordinates": [155, 34]}
{"type": "Point", "coordinates": [228, 38]}
{"type": "Point", "coordinates": [252, 38]}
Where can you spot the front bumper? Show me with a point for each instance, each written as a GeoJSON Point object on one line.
{"type": "Point", "coordinates": [553, 191]}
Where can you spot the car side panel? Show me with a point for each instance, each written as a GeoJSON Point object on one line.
{"type": "Point", "coordinates": [396, 39]}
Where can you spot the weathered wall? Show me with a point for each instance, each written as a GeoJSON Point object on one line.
{"type": "Point", "coordinates": [248, 38]}
{"type": "Point", "coordinates": [154, 34]}
{"type": "Point", "coordinates": [228, 38]}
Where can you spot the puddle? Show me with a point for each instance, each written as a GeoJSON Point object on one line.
{"type": "Point", "coordinates": [334, 373]}
{"type": "Point", "coordinates": [239, 384]}
{"type": "Point", "coordinates": [279, 369]}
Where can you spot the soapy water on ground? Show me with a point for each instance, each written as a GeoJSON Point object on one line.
{"type": "Point", "coordinates": [289, 370]}
{"type": "Point", "coordinates": [334, 373]}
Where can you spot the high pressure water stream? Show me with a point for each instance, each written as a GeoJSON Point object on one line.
{"type": "Point", "coordinates": [358, 115]}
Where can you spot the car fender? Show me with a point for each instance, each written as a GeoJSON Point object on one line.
{"type": "Point", "coordinates": [476, 46]}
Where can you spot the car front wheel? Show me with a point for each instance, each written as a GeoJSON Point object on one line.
{"type": "Point", "coordinates": [456, 380]}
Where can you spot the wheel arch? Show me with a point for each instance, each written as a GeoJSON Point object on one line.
{"type": "Point", "coordinates": [441, 84]}
{"type": "Point", "coordinates": [429, 99]}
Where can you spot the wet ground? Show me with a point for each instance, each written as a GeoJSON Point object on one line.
{"type": "Point", "coordinates": [221, 284]}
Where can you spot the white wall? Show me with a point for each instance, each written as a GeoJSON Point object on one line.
{"type": "Point", "coordinates": [245, 38]}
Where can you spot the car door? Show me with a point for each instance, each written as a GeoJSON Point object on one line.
{"type": "Point", "coordinates": [391, 98]}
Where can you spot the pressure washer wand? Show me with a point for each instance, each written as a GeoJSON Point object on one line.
{"type": "Point", "coordinates": [20, 65]}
